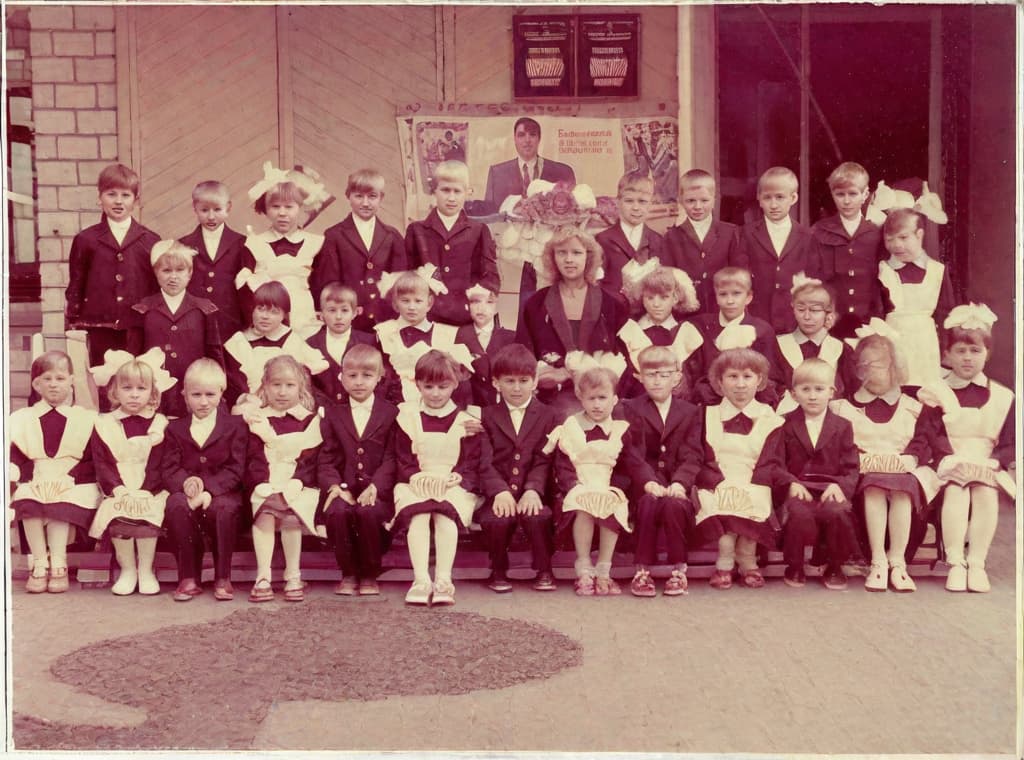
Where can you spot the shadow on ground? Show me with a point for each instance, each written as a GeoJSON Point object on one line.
{"type": "Point", "coordinates": [209, 685]}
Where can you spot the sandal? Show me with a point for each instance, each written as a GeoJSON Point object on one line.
{"type": "Point", "coordinates": [605, 586]}
{"type": "Point", "coordinates": [721, 579]}
{"type": "Point", "coordinates": [642, 585]}
{"type": "Point", "coordinates": [262, 591]}
{"type": "Point", "coordinates": [752, 578]}
{"type": "Point", "coordinates": [676, 584]}
{"type": "Point", "coordinates": [294, 590]}
{"type": "Point", "coordinates": [585, 585]}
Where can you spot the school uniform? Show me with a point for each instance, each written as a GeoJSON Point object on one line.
{"type": "Point", "coordinates": [483, 391]}
{"type": "Point", "coordinates": [215, 451]}
{"type": "Point", "coordinates": [619, 250]}
{"type": "Point", "coordinates": [682, 338]}
{"type": "Point", "coordinates": [51, 463]}
{"type": "Point", "coordinates": [464, 256]}
{"type": "Point", "coordinates": [288, 260]}
{"type": "Point", "coordinates": [682, 248]}
{"type": "Point", "coordinates": [747, 331]}
{"type": "Point", "coordinates": [849, 263]}
{"type": "Point", "coordinates": [815, 454]}
{"type": "Point", "coordinates": [795, 347]}
{"type": "Point", "coordinates": [247, 352]}
{"type": "Point", "coordinates": [188, 333]}
{"type": "Point", "coordinates": [668, 438]}
{"type": "Point", "coordinates": [772, 272]}
{"type": "Point", "coordinates": [127, 451]}
{"type": "Point", "coordinates": [105, 279]}
{"type": "Point", "coordinates": [327, 384]}
{"type": "Point", "coordinates": [358, 453]}
{"type": "Point", "coordinates": [213, 276]}
{"type": "Point", "coordinates": [518, 464]}
{"type": "Point", "coordinates": [346, 258]}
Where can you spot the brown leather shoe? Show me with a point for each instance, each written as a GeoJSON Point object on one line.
{"type": "Point", "coordinates": [187, 588]}
{"type": "Point", "coordinates": [223, 590]}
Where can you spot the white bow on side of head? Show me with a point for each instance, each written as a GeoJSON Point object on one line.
{"type": "Point", "coordinates": [875, 327]}
{"type": "Point", "coordinates": [886, 198]}
{"type": "Point", "coordinates": [800, 279]}
{"type": "Point", "coordinates": [578, 362]}
{"type": "Point", "coordinates": [972, 316]}
{"type": "Point", "coordinates": [271, 176]}
{"type": "Point", "coordinates": [113, 360]}
{"type": "Point", "coordinates": [427, 272]}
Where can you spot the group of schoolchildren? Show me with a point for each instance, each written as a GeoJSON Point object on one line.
{"type": "Point", "coordinates": [405, 407]}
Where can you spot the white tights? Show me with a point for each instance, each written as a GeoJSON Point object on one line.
{"type": "Point", "coordinates": [263, 529]}
{"type": "Point", "coordinates": [446, 540]}
{"type": "Point", "coordinates": [892, 510]}
{"type": "Point", "coordinates": [583, 526]}
{"type": "Point", "coordinates": [42, 533]}
{"type": "Point", "coordinates": [969, 514]}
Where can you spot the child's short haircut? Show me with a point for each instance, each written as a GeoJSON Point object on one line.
{"type": "Point", "coordinates": [335, 292]}
{"type": "Point", "coordinates": [271, 294]}
{"type": "Point", "coordinates": [436, 367]}
{"type": "Point", "coordinates": [365, 181]}
{"type": "Point", "coordinates": [897, 218]}
{"type": "Point", "coordinates": [119, 177]}
{"type": "Point", "coordinates": [210, 188]}
{"type": "Point", "coordinates": [282, 191]}
{"type": "Point", "coordinates": [51, 360]}
{"type": "Point", "coordinates": [133, 371]}
{"type": "Point", "coordinates": [696, 177]}
{"type": "Point", "coordinates": [451, 171]}
{"type": "Point", "coordinates": [733, 276]}
{"type": "Point", "coordinates": [814, 370]}
{"type": "Point", "coordinates": [514, 359]}
{"type": "Point", "coordinates": [637, 181]}
{"type": "Point", "coordinates": [848, 174]}
{"type": "Point", "coordinates": [813, 288]}
{"type": "Point", "coordinates": [741, 359]}
{"type": "Point", "coordinates": [205, 370]}
{"type": "Point", "coordinates": [658, 357]}
{"type": "Point", "coordinates": [595, 377]}
{"type": "Point", "coordinates": [362, 356]}
{"type": "Point", "coordinates": [408, 283]}
{"type": "Point", "coordinates": [977, 336]}
{"type": "Point", "coordinates": [176, 253]}
{"type": "Point", "coordinates": [287, 363]}
{"type": "Point", "coordinates": [898, 373]}
{"type": "Point", "coordinates": [778, 175]}
{"type": "Point", "coordinates": [595, 256]}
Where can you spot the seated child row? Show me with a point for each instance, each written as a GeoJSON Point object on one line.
{"type": "Point", "coordinates": [733, 471]}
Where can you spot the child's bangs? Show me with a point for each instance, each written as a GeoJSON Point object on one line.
{"type": "Point", "coordinates": [49, 361]}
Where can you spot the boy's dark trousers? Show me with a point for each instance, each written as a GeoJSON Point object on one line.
{"type": "Point", "coordinates": [675, 516]}
{"type": "Point", "coordinates": [498, 532]}
{"type": "Point", "coordinates": [803, 521]}
{"type": "Point", "coordinates": [358, 536]}
{"type": "Point", "coordinates": [186, 527]}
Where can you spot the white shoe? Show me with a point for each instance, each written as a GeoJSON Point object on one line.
{"type": "Point", "coordinates": [418, 593]}
{"type": "Point", "coordinates": [148, 584]}
{"type": "Point", "coordinates": [126, 582]}
{"type": "Point", "coordinates": [977, 578]}
{"type": "Point", "coordinates": [444, 593]}
{"type": "Point", "coordinates": [900, 580]}
{"type": "Point", "coordinates": [876, 579]}
{"type": "Point", "coordinates": [957, 578]}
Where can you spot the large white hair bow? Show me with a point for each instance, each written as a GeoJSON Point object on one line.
{"type": "Point", "coordinates": [307, 179]}
{"type": "Point", "coordinates": [886, 198]}
{"type": "Point", "coordinates": [875, 327]}
{"type": "Point", "coordinates": [800, 280]}
{"type": "Point", "coordinates": [633, 273]}
{"type": "Point", "coordinates": [113, 360]}
{"type": "Point", "coordinates": [578, 362]}
{"type": "Point", "coordinates": [972, 316]}
{"type": "Point", "coordinates": [387, 280]}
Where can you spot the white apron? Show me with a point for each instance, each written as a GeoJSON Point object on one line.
{"type": "Point", "coordinates": [51, 482]}
{"type": "Point", "coordinates": [911, 317]}
{"type": "Point", "coordinates": [291, 271]}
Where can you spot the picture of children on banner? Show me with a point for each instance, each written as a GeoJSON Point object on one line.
{"type": "Point", "coordinates": [438, 141]}
{"type": "Point", "coordinates": [650, 147]}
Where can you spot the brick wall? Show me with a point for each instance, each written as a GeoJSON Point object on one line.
{"type": "Point", "coordinates": [74, 101]}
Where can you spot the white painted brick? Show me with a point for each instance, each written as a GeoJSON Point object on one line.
{"type": "Point", "coordinates": [51, 16]}
{"type": "Point", "coordinates": [53, 328]}
{"type": "Point", "coordinates": [97, 122]}
{"type": "Point", "coordinates": [94, 70]}
{"type": "Point", "coordinates": [74, 43]}
{"type": "Point", "coordinates": [89, 171]}
{"type": "Point", "coordinates": [80, 198]}
{"type": "Point", "coordinates": [52, 70]}
{"type": "Point", "coordinates": [104, 43]}
{"type": "Point", "coordinates": [40, 43]}
{"type": "Point", "coordinates": [57, 172]}
{"type": "Point", "coordinates": [75, 96]}
{"type": "Point", "coordinates": [77, 147]}
{"type": "Point", "coordinates": [108, 148]}
{"type": "Point", "coordinates": [54, 122]}
{"type": "Point", "coordinates": [58, 223]}
{"type": "Point", "coordinates": [106, 95]}
{"type": "Point", "coordinates": [50, 249]}
{"type": "Point", "coordinates": [46, 197]}
{"type": "Point", "coordinates": [46, 147]}
{"type": "Point", "coordinates": [53, 274]}
{"type": "Point", "coordinates": [52, 298]}
{"type": "Point", "coordinates": [94, 17]}
{"type": "Point", "coordinates": [42, 95]}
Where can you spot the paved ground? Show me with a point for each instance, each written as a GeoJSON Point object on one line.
{"type": "Point", "coordinates": [771, 671]}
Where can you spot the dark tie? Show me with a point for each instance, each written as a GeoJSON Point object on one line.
{"type": "Point", "coordinates": [741, 424]}
{"type": "Point", "coordinates": [596, 434]}
{"type": "Point", "coordinates": [412, 335]}
{"type": "Point", "coordinates": [809, 349]}
{"type": "Point", "coordinates": [660, 336]}
{"type": "Point", "coordinates": [526, 178]}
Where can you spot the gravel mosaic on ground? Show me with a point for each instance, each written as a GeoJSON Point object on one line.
{"type": "Point", "coordinates": [209, 685]}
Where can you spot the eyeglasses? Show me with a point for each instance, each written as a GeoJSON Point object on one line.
{"type": "Point", "coordinates": [664, 374]}
{"type": "Point", "coordinates": [810, 309]}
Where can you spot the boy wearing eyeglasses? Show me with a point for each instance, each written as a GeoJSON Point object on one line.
{"type": "Point", "coordinates": [667, 432]}
{"type": "Point", "coordinates": [814, 309]}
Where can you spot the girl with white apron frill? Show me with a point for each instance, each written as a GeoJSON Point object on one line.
{"type": "Point", "coordinates": [912, 318]}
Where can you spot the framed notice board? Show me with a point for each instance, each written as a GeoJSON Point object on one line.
{"type": "Point", "coordinates": [588, 56]}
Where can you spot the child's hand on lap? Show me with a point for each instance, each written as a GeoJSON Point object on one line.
{"type": "Point", "coordinates": [676, 491]}
{"type": "Point", "coordinates": [368, 497]}
{"type": "Point", "coordinates": [504, 504]}
{"type": "Point", "coordinates": [529, 504]}
{"type": "Point", "coordinates": [193, 486]}
{"type": "Point", "coordinates": [654, 488]}
{"type": "Point", "coordinates": [797, 491]}
{"type": "Point", "coordinates": [832, 493]}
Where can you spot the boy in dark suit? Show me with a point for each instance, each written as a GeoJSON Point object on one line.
{"type": "Point", "coordinates": [356, 473]}
{"type": "Point", "coordinates": [815, 468]}
{"type": "Point", "coordinates": [219, 253]}
{"type": "Point", "coordinates": [631, 239]}
{"type": "Point", "coordinates": [516, 484]}
{"type": "Point", "coordinates": [109, 269]}
{"type": "Point", "coordinates": [667, 432]}
{"type": "Point", "coordinates": [181, 324]}
{"type": "Point", "coordinates": [204, 458]}
{"type": "Point", "coordinates": [774, 248]}
{"type": "Point", "coordinates": [484, 339]}
{"type": "Point", "coordinates": [359, 249]}
{"type": "Point", "coordinates": [462, 250]}
{"type": "Point", "coordinates": [339, 308]}
{"type": "Point", "coordinates": [698, 244]}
